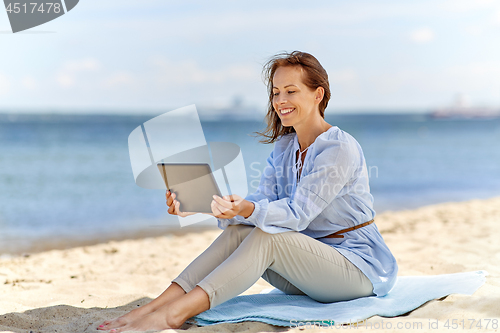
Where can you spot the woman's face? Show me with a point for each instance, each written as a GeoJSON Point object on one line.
{"type": "Point", "coordinates": [293, 101]}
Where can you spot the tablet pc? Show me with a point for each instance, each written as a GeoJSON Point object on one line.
{"type": "Point", "coordinates": [193, 184]}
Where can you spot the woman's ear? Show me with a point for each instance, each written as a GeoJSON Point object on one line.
{"type": "Point", "coordinates": [318, 97]}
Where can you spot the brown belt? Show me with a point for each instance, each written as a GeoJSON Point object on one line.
{"type": "Point", "coordinates": [337, 234]}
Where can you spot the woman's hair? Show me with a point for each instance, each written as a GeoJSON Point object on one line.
{"type": "Point", "coordinates": [314, 76]}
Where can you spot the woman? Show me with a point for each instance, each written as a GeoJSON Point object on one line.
{"type": "Point", "coordinates": [307, 230]}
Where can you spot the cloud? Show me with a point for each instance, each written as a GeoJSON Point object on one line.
{"type": "Point", "coordinates": [489, 21]}
{"type": "Point", "coordinates": [29, 82]}
{"type": "Point", "coordinates": [496, 19]}
{"type": "Point", "coordinates": [67, 75]}
{"type": "Point", "coordinates": [422, 35]}
{"type": "Point", "coordinates": [478, 75]}
{"type": "Point", "coordinates": [4, 85]}
{"type": "Point", "coordinates": [344, 81]}
{"type": "Point", "coordinates": [82, 65]}
{"type": "Point", "coordinates": [117, 80]}
{"type": "Point", "coordinates": [473, 30]}
{"type": "Point", "coordinates": [419, 87]}
{"type": "Point", "coordinates": [347, 75]}
{"type": "Point", "coordinates": [466, 6]}
{"type": "Point", "coordinates": [188, 72]}
{"type": "Point", "coordinates": [222, 19]}
{"type": "Point", "coordinates": [359, 42]}
{"type": "Point", "coordinates": [65, 80]}
{"type": "Point", "coordinates": [191, 81]}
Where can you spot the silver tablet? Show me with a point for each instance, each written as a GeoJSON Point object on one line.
{"type": "Point", "coordinates": [193, 184]}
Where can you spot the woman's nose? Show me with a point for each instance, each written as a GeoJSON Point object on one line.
{"type": "Point", "coordinates": [281, 99]}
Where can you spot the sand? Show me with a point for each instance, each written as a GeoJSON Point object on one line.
{"type": "Point", "coordinates": [75, 290]}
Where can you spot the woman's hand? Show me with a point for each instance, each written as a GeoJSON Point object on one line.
{"type": "Point", "coordinates": [173, 206]}
{"type": "Point", "coordinates": [230, 206]}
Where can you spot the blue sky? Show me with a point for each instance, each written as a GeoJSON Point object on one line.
{"type": "Point", "coordinates": [148, 56]}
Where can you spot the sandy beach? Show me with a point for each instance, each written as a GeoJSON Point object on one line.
{"type": "Point", "coordinates": [75, 290]}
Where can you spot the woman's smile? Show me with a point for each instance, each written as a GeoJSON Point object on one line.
{"type": "Point", "coordinates": [294, 102]}
{"type": "Point", "coordinates": [286, 111]}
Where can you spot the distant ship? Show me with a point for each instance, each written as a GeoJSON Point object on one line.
{"type": "Point", "coordinates": [461, 109]}
{"type": "Point", "coordinates": [237, 110]}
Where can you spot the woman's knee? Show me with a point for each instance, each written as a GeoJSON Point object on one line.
{"type": "Point", "coordinates": [241, 230]}
{"type": "Point", "coordinates": [260, 233]}
{"type": "Point", "coordinates": [281, 283]}
{"type": "Point", "coordinates": [342, 293]}
{"type": "Point", "coordinates": [239, 227]}
{"type": "Point", "coordinates": [265, 236]}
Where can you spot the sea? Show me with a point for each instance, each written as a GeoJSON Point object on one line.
{"type": "Point", "coordinates": [66, 180]}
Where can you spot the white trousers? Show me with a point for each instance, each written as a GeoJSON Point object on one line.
{"type": "Point", "coordinates": [290, 261]}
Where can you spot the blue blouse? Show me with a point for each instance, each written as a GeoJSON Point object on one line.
{"type": "Point", "coordinates": [333, 194]}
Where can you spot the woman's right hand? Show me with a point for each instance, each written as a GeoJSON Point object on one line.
{"type": "Point", "coordinates": [173, 206]}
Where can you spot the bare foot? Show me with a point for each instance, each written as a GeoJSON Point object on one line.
{"type": "Point", "coordinates": [173, 292]}
{"type": "Point", "coordinates": [123, 320]}
{"type": "Point", "coordinates": [155, 321]}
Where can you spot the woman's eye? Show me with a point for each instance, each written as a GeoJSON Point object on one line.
{"type": "Point", "coordinates": [275, 94]}
{"type": "Point", "coordinates": [291, 92]}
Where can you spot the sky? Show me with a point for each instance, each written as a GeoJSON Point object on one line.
{"type": "Point", "coordinates": [152, 55]}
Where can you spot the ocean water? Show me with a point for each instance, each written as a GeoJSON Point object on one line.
{"type": "Point", "coordinates": [67, 180]}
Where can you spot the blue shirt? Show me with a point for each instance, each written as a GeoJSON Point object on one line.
{"type": "Point", "coordinates": [333, 194]}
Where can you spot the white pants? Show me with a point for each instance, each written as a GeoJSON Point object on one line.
{"type": "Point", "coordinates": [290, 261]}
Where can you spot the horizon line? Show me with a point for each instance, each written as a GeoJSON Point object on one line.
{"type": "Point", "coordinates": [203, 111]}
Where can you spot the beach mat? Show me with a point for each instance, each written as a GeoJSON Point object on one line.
{"type": "Point", "coordinates": [276, 308]}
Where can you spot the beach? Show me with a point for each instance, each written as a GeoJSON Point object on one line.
{"type": "Point", "coordinates": [76, 289]}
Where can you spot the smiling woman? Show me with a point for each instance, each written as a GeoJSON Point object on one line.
{"type": "Point", "coordinates": [307, 230]}
{"type": "Point", "coordinates": [305, 76]}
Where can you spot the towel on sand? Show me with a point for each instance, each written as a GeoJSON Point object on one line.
{"type": "Point", "coordinates": [276, 308]}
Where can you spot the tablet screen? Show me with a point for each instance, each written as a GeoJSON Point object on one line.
{"type": "Point", "coordinates": [193, 184]}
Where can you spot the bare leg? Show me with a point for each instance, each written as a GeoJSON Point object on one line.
{"type": "Point", "coordinates": [173, 292]}
{"type": "Point", "coordinates": [205, 263]}
{"type": "Point", "coordinates": [172, 315]}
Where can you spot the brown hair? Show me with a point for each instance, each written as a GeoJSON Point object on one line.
{"type": "Point", "coordinates": [314, 76]}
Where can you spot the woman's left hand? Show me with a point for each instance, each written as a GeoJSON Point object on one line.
{"type": "Point", "coordinates": [228, 206]}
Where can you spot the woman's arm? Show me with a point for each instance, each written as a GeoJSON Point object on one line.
{"type": "Point", "coordinates": [333, 168]}
{"type": "Point", "coordinates": [247, 210]}
{"type": "Point", "coordinates": [266, 190]}
{"type": "Point", "coordinates": [231, 206]}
